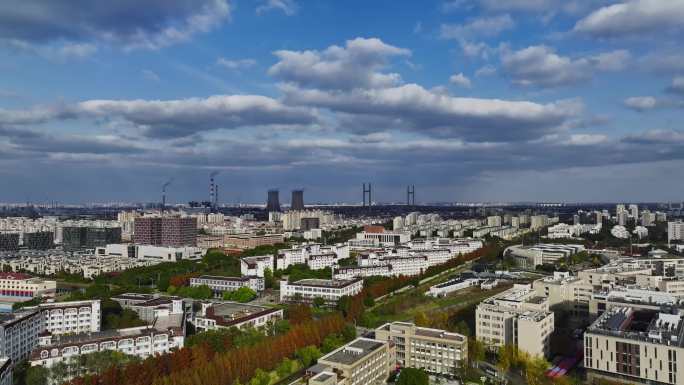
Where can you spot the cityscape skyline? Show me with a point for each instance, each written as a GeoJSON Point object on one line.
{"type": "Point", "coordinates": [469, 100]}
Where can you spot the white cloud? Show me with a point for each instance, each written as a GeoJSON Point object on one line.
{"type": "Point", "coordinates": [641, 103]}
{"type": "Point", "coordinates": [235, 64]}
{"type": "Point", "coordinates": [541, 66]}
{"type": "Point", "coordinates": [586, 139]}
{"type": "Point", "coordinates": [411, 107]}
{"type": "Point", "coordinates": [172, 118]}
{"type": "Point", "coordinates": [634, 17]}
{"type": "Point", "coordinates": [677, 85]}
{"type": "Point", "coordinates": [354, 65]}
{"type": "Point", "coordinates": [80, 25]}
{"type": "Point", "coordinates": [487, 70]}
{"type": "Point", "coordinates": [460, 80]}
{"type": "Point", "coordinates": [288, 7]}
{"type": "Point", "coordinates": [77, 50]}
{"type": "Point", "coordinates": [484, 26]}
{"type": "Point", "coordinates": [647, 103]}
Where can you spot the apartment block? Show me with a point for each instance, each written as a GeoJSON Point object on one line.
{"type": "Point", "coordinates": [70, 317]}
{"type": "Point", "coordinates": [433, 350]}
{"type": "Point", "coordinates": [518, 317]}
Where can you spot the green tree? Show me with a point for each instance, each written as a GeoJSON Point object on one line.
{"type": "Point", "coordinates": [421, 319]}
{"type": "Point", "coordinates": [349, 332]}
{"type": "Point", "coordinates": [269, 281]}
{"type": "Point", "coordinates": [285, 368]}
{"type": "Point", "coordinates": [308, 355]}
{"type": "Point", "coordinates": [476, 351]}
{"type": "Point", "coordinates": [260, 378]}
{"type": "Point", "coordinates": [413, 376]}
{"type": "Point", "coordinates": [242, 295]}
{"type": "Point", "coordinates": [319, 302]}
{"type": "Point", "coordinates": [36, 375]}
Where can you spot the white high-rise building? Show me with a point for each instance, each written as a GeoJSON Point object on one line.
{"type": "Point", "coordinates": [494, 220]}
{"type": "Point", "coordinates": [634, 211]}
{"type": "Point", "coordinates": [675, 231]}
{"type": "Point", "coordinates": [398, 223]}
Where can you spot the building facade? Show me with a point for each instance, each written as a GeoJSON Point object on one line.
{"type": "Point", "coordinates": [309, 289]}
{"type": "Point", "coordinates": [433, 350]}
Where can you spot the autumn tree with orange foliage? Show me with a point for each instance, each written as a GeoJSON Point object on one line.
{"type": "Point", "coordinates": [201, 365]}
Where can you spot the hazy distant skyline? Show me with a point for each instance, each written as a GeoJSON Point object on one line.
{"type": "Point", "coordinates": [468, 100]}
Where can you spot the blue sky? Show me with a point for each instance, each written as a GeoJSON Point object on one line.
{"type": "Point", "coordinates": [469, 100]}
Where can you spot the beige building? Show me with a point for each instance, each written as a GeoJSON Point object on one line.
{"type": "Point", "coordinates": [566, 292]}
{"type": "Point", "coordinates": [433, 350]}
{"type": "Point", "coordinates": [518, 317]}
{"type": "Point", "coordinates": [361, 362]}
{"type": "Point", "coordinates": [635, 346]}
{"type": "Point", "coordinates": [248, 241]}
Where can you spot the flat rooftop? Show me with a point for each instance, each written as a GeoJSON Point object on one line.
{"type": "Point", "coordinates": [642, 324]}
{"type": "Point", "coordinates": [325, 282]}
{"type": "Point", "coordinates": [353, 352]}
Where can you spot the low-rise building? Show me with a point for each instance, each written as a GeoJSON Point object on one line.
{"type": "Point", "coordinates": [221, 284]}
{"type": "Point", "coordinates": [361, 362]}
{"type": "Point", "coordinates": [151, 308]}
{"type": "Point", "coordinates": [452, 285]}
{"type": "Point", "coordinates": [309, 289]}
{"type": "Point", "coordinates": [143, 342]}
{"type": "Point", "coordinates": [223, 315]}
{"type": "Point", "coordinates": [250, 241]}
{"type": "Point", "coordinates": [19, 287]}
{"type": "Point", "coordinates": [255, 266]}
{"type": "Point", "coordinates": [529, 257]}
{"type": "Point", "coordinates": [433, 350]}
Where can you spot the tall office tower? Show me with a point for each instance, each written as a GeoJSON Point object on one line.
{"type": "Point", "coordinates": [619, 208]}
{"type": "Point", "coordinates": [74, 237]}
{"type": "Point", "coordinates": [39, 240]}
{"type": "Point", "coordinates": [166, 231]}
{"type": "Point", "coordinates": [634, 210]}
{"type": "Point", "coordinates": [9, 241]}
{"type": "Point", "coordinates": [273, 203]}
{"type": "Point", "coordinates": [576, 219]}
{"type": "Point", "coordinates": [297, 200]}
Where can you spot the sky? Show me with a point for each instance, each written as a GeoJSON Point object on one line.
{"type": "Point", "coordinates": [468, 100]}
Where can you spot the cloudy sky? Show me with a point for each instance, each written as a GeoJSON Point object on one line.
{"type": "Point", "coordinates": [468, 100]}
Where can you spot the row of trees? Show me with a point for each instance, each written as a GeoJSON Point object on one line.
{"type": "Point", "coordinates": [353, 308]}
{"type": "Point", "coordinates": [200, 364]}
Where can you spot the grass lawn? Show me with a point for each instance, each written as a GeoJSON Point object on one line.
{"type": "Point", "coordinates": [405, 306]}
